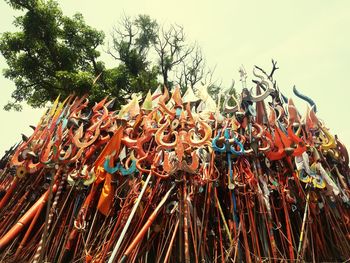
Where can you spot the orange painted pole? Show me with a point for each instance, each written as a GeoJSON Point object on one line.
{"type": "Point", "coordinates": [9, 192]}
{"type": "Point", "coordinates": [25, 219]}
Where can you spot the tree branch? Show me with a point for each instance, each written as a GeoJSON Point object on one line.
{"type": "Point", "coordinates": [274, 68]}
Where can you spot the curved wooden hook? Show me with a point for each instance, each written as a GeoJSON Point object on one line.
{"type": "Point", "coordinates": [264, 95]}
{"type": "Point", "coordinates": [159, 135]}
{"type": "Point", "coordinates": [206, 137]}
{"type": "Point", "coordinates": [79, 134]}
{"type": "Point", "coordinates": [330, 139]}
{"type": "Point", "coordinates": [305, 98]}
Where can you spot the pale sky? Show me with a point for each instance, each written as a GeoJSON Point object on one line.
{"type": "Point", "coordinates": [309, 39]}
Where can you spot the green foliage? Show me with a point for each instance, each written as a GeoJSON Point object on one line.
{"type": "Point", "coordinates": [147, 33]}
{"type": "Point", "coordinates": [214, 91]}
{"type": "Point", "coordinates": [51, 55]}
{"type": "Point", "coordinates": [131, 44]}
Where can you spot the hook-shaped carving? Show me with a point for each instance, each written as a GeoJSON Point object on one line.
{"type": "Point", "coordinates": [317, 179]}
{"type": "Point", "coordinates": [304, 97]}
{"type": "Point", "coordinates": [191, 168]}
{"type": "Point", "coordinates": [79, 134]}
{"type": "Point", "coordinates": [15, 158]}
{"type": "Point", "coordinates": [165, 109]}
{"type": "Point", "coordinates": [33, 167]}
{"type": "Point", "coordinates": [281, 146]}
{"type": "Point", "coordinates": [260, 142]}
{"type": "Point", "coordinates": [233, 141]}
{"type": "Point", "coordinates": [215, 145]}
{"type": "Point", "coordinates": [129, 169]}
{"type": "Point", "coordinates": [99, 105]}
{"type": "Point", "coordinates": [300, 146]}
{"type": "Point", "coordinates": [227, 107]}
{"type": "Point", "coordinates": [127, 141]}
{"type": "Point", "coordinates": [159, 135]}
{"type": "Point", "coordinates": [47, 148]}
{"type": "Point", "coordinates": [64, 155]}
{"type": "Point", "coordinates": [78, 104]}
{"type": "Point", "coordinates": [227, 147]}
{"type": "Point", "coordinates": [268, 145]}
{"type": "Point", "coordinates": [205, 139]}
{"type": "Point", "coordinates": [256, 74]}
{"type": "Point", "coordinates": [264, 95]}
{"type": "Point", "coordinates": [293, 116]}
{"type": "Point", "coordinates": [330, 144]}
{"type": "Point", "coordinates": [92, 149]}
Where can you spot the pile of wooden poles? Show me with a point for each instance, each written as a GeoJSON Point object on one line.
{"type": "Point", "coordinates": [177, 178]}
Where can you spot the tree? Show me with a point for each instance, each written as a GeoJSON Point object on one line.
{"type": "Point", "coordinates": [172, 50]}
{"type": "Point", "coordinates": [131, 42]}
{"type": "Point", "coordinates": [52, 54]}
{"type": "Point", "coordinates": [144, 46]}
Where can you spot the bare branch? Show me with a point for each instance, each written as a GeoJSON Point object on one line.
{"type": "Point", "coordinates": [208, 79]}
{"type": "Point", "coordinates": [172, 52]}
{"type": "Point", "coordinates": [193, 70]}
{"type": "Point", "coordinates": [124, 33]}
{"type": "Point", "coordinates": [274, 68]}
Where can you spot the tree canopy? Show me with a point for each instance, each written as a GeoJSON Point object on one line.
{"type": "Point", "coordinates": [52, 54]}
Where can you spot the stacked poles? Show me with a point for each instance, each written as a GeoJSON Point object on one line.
{"type": "Point", "coordinates": [174, 178]}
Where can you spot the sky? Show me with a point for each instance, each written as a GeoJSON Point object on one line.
{"type": "Point", "coordinates": [309, 39]}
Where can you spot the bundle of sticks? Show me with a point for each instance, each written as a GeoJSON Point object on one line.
{"type": "Point", "coordinates": [177, 178]}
